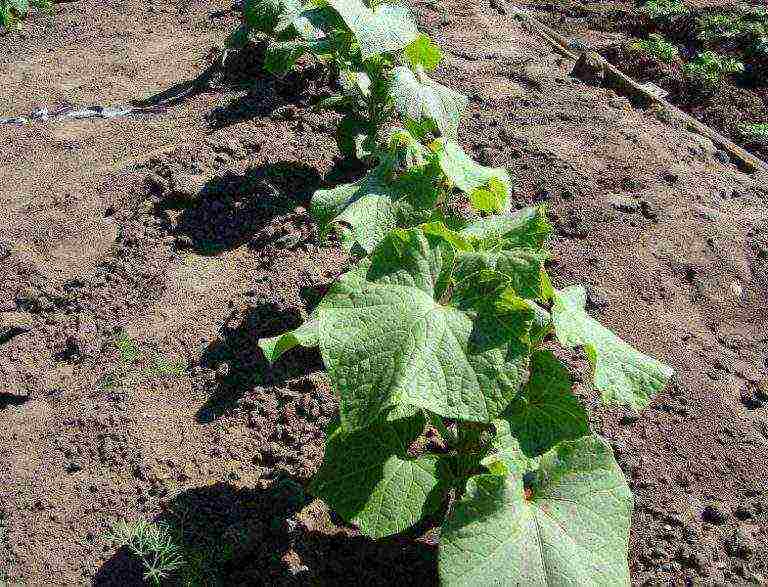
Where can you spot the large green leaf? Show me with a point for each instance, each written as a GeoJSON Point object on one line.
{"type": "Point", "coordinates": [572, 528]}
{"type": "Point", "coordinates": [623, 374]}
{"type": "Point", "coordinates": [383, 29]}
{"type": "Point", "coordinates": [527, 227]}
{"type": "Point", "coordinates": [368, 478]}
{"type": "Point", "coordinates": [418, 97]}
{"type": "Point", "coordinates": [511, 245]}
{"type": "Point", "coordinates": [376, 204]}
{"type": "Point", "coordinates": [404, 259]}
{"type": "Point", "coordinates": [524, 267]}
{"type": "Point", "coordinates": [389, 344]}
{"type": "Point", "coordinates": [546, 412]}
{"type": "Point", "coordinates": [469, 176]}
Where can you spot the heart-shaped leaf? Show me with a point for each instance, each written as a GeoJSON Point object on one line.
{"type": "Point", "coordinates": [418, 97]}
{"type": "Point", "coordinates": [383, 29]}
{"type": "Point", "coordinates": [393, 343]}
{"type": "Point", "coordinates": [368, 478]}
{"type": "Point", "coordinates": [569, 527]}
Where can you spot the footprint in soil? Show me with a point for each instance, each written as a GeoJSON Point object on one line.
{"type": "Point", "coordinates": [240, 365]}
{"type": "Point", "coordinates": [241, 536]}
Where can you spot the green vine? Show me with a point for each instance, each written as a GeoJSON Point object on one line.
{"type": "Point", "coordinates": [449, 320]}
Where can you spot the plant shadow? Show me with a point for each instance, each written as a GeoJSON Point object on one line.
{"type": "Point", "coordinates": [266, 94]}
{"type": "Point", "coordinates": [245, 365]}
{"type": "Point", "coordinates": [240, 536]}
{"type": "Point", "coordinates": [242, 69]}
{"type": "Point", "coordinates": [232, 209]}
{"type": "Point", "coordinates": [10, 399]}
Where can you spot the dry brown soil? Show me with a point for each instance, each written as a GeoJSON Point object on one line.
{"type": "Point", "coordinates": [612, 28]}
{"type": "Point", "coordinates": [142, 257]}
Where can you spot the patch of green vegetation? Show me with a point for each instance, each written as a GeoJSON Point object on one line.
{"type": "Point", "coordinates": [127, 347]}
{"type": "Point", "coordinates": [657, 46]}
{"type": "Point", "coordinates": [168, 556]}
{"type": "Point", "coordinates": [755, 133]}
{"type": "Point", "coordinates": [664, 9]}
{"type": "Point", "coordinates": [710, 68]}
{"type": "Point", "coordinates": [750, 25]}
{"type": "Point", "coordinates": [153, 544]}
{"type": "Point", "coordinates": [167, 367]}
{"type": "Point", "coordinates": [12, 12]}
{"type": "Point", "coordinates": [441, 321]}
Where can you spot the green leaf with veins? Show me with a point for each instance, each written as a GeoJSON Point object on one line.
{"type": "Point", "coordinates": [572, 527]}
{"type": "Point", "coordinates": [468, 175]}
{"type": "Point", "coordinates": [491, 198]}
{"type": "Point", "coordinates": [368, 478]}
{"type": "Point", "coordinates": [280, 57]}
{"type": "Point", "coordinates": [423, 53]}
{"type": "Point", "coordinates": [383, 29]}
{"type": "Point", "coordinates": [527, 227]}
{"type": "Point", "coordinates": [546, 412]}
{"type": "Point", "coordinates": [392, 343]}
{"type": "Point", "coordinates": [505, 449]}
{"type": "Point", "coordinates": [418, 97]}
{"type": "Point", "coordinates": [485, 246]}
{"type": "Point", "coordinates": [270, 16]}
{"type": "Point", "coordinates": [376, 204]}
{"type": "Point", "coordinates": [623, 374]}
{"type": "Point", "coordinates": [404, 260]}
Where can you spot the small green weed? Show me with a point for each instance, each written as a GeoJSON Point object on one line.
{"type": "Point", "coordinates": [755, 133]}
{"type": "Point", "coordinates": [12, 12]}
{"type": "Point", "coordinates": [128, 349]}
{"type": "Point", "coordinates": [153, 544]}
{"type": "Point", "coordinates": [663, 9]}
{"type": "Point", "coordinates": [729, 25]}
{"type": "Point", "coordinates": [167, 367]}
{"type": "Point", "coordinates": [710, 68]}
{"type": "Point", "coordinates": [657, 46]}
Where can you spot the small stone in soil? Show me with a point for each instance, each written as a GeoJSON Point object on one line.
{"type": "Point", "coordinates": [623, 204]}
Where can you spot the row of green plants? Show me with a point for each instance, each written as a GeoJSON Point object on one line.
{"type": "Point", "coordinates": [447, 321]}
{"type": "Point", "coordinates": [746, 25]}
{"type": "Point", "coordinates": [707, 68]}
{"type": "Point", "coordinates": [13, 12]}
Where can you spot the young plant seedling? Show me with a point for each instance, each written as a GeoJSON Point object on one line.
{"type": "Point", "coordinates": [12, 12]}
{"type": "Point", "coordinates": [710, 68]}
{"type": "Point", "coordinates": [658, 47]}
{"type": "Point", "coordinates": [452, 323]}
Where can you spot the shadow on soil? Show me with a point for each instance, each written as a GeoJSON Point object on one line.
{"type": "Point", "coordinates": [234, 536]}
{"type": "Point", "coordinates": [9, 399]}
{"type": "Point", "coordinates": [241, 70]}
{"type": "Point", "coordinates": [231, 209]}
{"type": "Point", "coordinates": [241, 365]}
{"type": "Point", "coordinates": [266, 94]}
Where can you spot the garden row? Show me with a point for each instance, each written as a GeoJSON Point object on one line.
{"type": "Point", "coordinates": [447, 320]}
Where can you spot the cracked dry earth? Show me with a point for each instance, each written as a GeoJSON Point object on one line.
{"type": "Point", "coordinates": [141, 258]}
